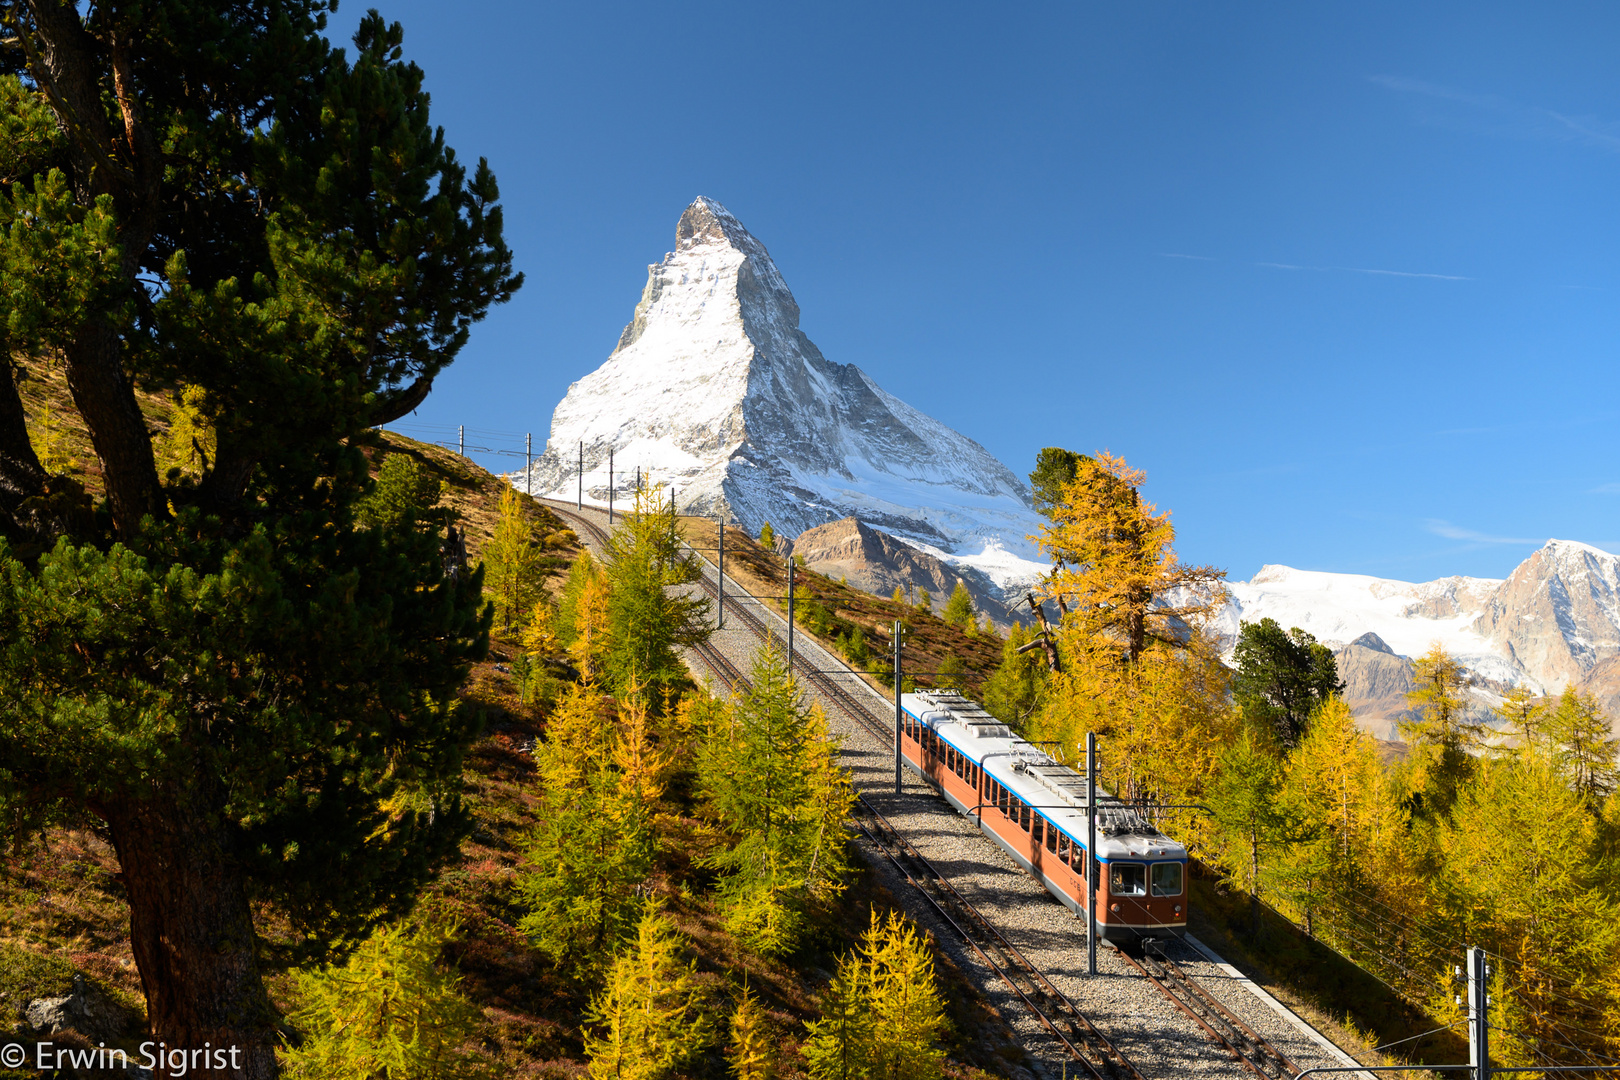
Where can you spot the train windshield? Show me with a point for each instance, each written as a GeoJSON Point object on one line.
{"type": "Point", "coordinates": [1167, 879]}
{"type": "Point", "coordinates": [1127, 879]}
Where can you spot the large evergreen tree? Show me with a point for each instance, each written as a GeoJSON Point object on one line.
{"type": "Point", "coordinates": [253, 697]}
{"type": "Point", "coordinates": [1282, 677]}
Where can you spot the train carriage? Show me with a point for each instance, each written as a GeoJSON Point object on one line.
{"type": "Point", "coordinates": [1035, 809]}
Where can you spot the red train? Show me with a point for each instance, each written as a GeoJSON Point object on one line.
{"type": "Point", "coordinates": [1035, 809]}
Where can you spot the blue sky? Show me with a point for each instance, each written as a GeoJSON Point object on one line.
{"type": "Point", "coordinates": [1341, 278]}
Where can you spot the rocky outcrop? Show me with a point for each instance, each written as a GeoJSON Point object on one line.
{"type": "Point", "coordinates": [877, 563]}
{"type": "Point", "coordinates": [715, 390]}
{"type": "Point", "coordinates": [1376, 682]}
{"type": "Point", "coordinates": [86, 1010]}
{"type": "Point", "coordinates": [1558, 614]}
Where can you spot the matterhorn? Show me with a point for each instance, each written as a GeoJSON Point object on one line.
{"type": "Point", "coordinates": [715, 392]}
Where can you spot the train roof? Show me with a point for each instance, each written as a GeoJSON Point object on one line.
{"type": "Point", "coordinates": [1057, 792]}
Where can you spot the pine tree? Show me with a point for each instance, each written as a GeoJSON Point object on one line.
{"type": "Point", "coordinates": [767, 537]}
{"type": "Point", "coordinates": [512, 562]}
{"type": "Point", "coordinates": [391, 1010]}
{"type": "Point", "coordinates": [650, 1018]}
{"type": "Point", "coordinates": [883, 1015]}
{"type": "Point", "coordinates": [959, 608]}
{"type": "Point", "coordinates": [925, 602]}
{"type": "Point", "coordinates": [773, 781]}
{"type": "Point", "coordinates": [1584, 745]}
{"type": "Point", "coordinates": [1282, 677]}
{"type": "Point", "coordinates": [1055, 469]}
{"type": "Point", "coordinates": [224, 202]}
{"type": "Point", "coordinates": [898, 596]}
{"type": "Point", "coordinates": [647, 615]}
{"type": "Point", "coordinates": [1443, 731]}
{"type": "Point", "coordinates": [403, 492]}
{"type": "Point", "coordinates": [593, 843]}
{"type": "Point", "coordinates": [752, 1053]}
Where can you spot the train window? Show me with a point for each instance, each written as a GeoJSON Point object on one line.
{"type": "Point", "coordinates": [1023, 816]}
{"type": "Point", "coordinates": [1127, 879]}
{"type": "Point", "coordinates": [1035, 830]}
{"type": "Point", "coordinates": [1051, 838]}
{"type": "Point", "coordinates": [1167, 879]}
{"type": "Point", "coordinates": [1064, 848]}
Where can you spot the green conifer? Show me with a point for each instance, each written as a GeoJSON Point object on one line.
{"type": "Point", "coordinates": [959, 608]}
{"type": "Point", "coordinates": [648, 616]}
{"type": "Point", "coordinates": [773, 781]}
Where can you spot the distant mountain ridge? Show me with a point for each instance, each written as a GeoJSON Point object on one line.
{"type": "Point", "coordinates": [1554, 621]}
{"type": "Point", "coordinates": [715, 390]}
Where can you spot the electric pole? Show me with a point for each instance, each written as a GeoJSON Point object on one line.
{"type": "Point", "coordinates": [790, 608]}
{"type": "Point", "coordinates": [720, 608]}
{"type": "Point", "coordinates": [1091, 852]}
{"type": "Point", "coordinates": [1479, 1001]}
{"type": "Point", "coordinates": [899, 723]}
{"type": "Point", "coordinates": [610, 485]}
{"type": "Point", "coordinates": [461, 439]}
{"type": "Point", "coordinates": [579, 496]}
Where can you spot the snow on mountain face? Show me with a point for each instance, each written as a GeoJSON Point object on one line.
{"type": "Point", "coordinates": [1554, 621]}
{"type": "Point", "coordinates": [715, 390]}
{"type": "Point", "coordinates": [1337, 608]}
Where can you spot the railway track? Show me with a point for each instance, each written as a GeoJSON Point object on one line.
{"type": "Point", "coordinates": [1079, 1037]}
{"type": "Point", "coordinates": [1219, 1024]}
{"type": "Point", "coordinates": [1081, 1040]}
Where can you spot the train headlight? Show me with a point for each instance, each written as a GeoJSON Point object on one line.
{"type": "Point", "coordinates": [1178, 909]}
{"type": "Point", "coordinates": [1114, 908]}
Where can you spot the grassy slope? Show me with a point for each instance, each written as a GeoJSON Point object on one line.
{"type": "Point", "coordinates": [62, 909]}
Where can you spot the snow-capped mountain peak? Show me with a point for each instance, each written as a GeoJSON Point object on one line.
{"type": "Point", "coordinates": [715, 390]}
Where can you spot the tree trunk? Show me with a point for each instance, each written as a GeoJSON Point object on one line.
{"type": "Point", "coordinates": [1254, 877]}
{"type": "Point", "coordinates": [105, 397]}
{"type": "Point", "coordinates": [192, 930]}
{"type": "Point", "coordinates": [21, 474]}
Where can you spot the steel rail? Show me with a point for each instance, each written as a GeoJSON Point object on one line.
{"type": "Point", "coordinates": [1219, 1023]}
{"type": "Point", "coordinates": [1083, 1041]}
